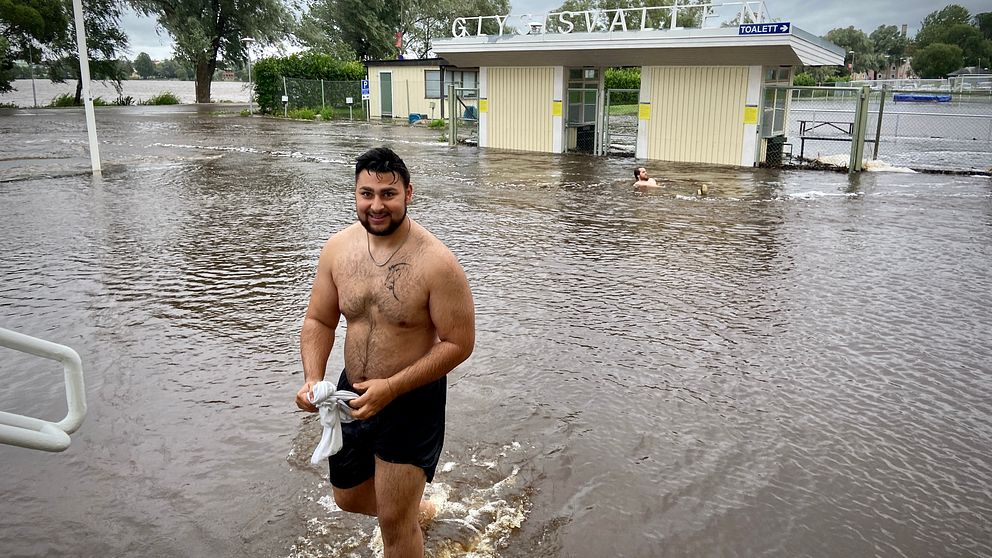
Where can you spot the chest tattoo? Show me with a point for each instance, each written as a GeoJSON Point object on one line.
{"type": "Point", "coordinates": [396, 272]}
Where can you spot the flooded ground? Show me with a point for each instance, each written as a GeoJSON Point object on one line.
{"type": "Point", "coordinates": [796, 364]}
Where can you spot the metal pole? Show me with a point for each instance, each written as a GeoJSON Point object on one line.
{"type": "Point", "coordinates": [84, 77]}
{"type": "Point", "coordinates": [452, 115]}
{"type": "Point", "coordinates": [322, 97]}
{"type": "Point", "coordinates": [31, 66]}
{"type": "Point", "coordinates": [285, 91]}
{"type": "Point", "coordinates": [251, 90]}
{"type": "Point", "coordinates": [878, 127]}
{"type": "Point", "coordinates": [858, 131]}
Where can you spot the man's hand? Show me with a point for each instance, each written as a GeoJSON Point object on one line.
{"type": "Point", "coordinates": [303, 398]}
{"type": "Point", "coordinates": [378, 394]}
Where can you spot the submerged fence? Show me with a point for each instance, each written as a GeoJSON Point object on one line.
{"type": "Point", "coordinates": [945, 132]}
{"type": "Point", "coordinates": [329, 99]}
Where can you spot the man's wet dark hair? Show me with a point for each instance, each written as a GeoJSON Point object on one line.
{"type": "Point", "coordinates": [637, 173]}
{"type": "Point", "coordinates": [382, 160]}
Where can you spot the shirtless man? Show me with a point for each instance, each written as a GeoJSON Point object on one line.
{"type": "Point", "coordinates": [641, 174]}
{"type": "Point", "coordinates": [411, 320]}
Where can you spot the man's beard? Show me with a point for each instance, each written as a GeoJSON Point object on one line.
{"type": "Point", "coordinates": [393, 225]}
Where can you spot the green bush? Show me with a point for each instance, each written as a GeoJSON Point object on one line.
{"type": "Point", "coordinates": [623, 78]}
{"type": "Point", "coordinates": [69, 100]}
{"type": "Point", "coordinates": [269, 73]}
{"type": "Point", "coordinates": [803, 80]}
{"type": "Point", "coordinates": [327, 113]}
{"type": "Point", "coordinates": [163, 98]}
{"type": "Point", "coordinates": [63, 100]}
{"type": "Point", "coordinates": [437, 123]}
{"type": "Point", "coordinates": [302, 114]}
{"type": "Point", "coordinates": [124, 101]}
{"type": "Point", "coordinates": [245, 113]}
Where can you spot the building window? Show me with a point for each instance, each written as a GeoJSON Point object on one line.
{"type": "Point", "coordinates": [583, 84]}
{"type": "Point", "coordinates": [776, 107]}
{"type": "Point", "coordinates": [432, 80]}
{"type": "Point", "coordinates": [461, 79]}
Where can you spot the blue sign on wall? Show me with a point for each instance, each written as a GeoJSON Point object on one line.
{"type": "Point", "coordinates": [365, 89]}
{"type": "Point", "coordinates": [779, 28]}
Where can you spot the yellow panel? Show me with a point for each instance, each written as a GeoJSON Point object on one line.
{"type": "Point", "coordinates": [698, 113]}
{"type": "Point", "coordinates": [409, 91]}
{"type": "Point", "coordinates": [520, 108]}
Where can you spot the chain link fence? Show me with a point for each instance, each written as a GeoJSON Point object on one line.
{"type": "Point", "coordinates": [329, 99]}
{"type": "Point", "coordinates": [620, 122]}
{"type": "Point", "coordinates": [918, 129]}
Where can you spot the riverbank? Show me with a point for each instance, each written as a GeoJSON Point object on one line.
{"type": "Point", "coordinates": [41, 92]}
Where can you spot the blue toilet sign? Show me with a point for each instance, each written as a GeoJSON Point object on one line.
{"type": "Point", "coordinates": [778, 28]}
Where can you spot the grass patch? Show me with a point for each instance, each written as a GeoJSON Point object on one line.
{"type": "Point", "coordinates": [163, 98]}
{"type": "Point", "coordinates": [437, 124]}
{"type": "Point", "coordinates": [302, 114]}
{"type": "Point", "coordinates": [69, 100]}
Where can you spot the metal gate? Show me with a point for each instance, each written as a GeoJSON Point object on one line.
{"type": "Point", "coordinates": [619, 129]}
{"type": "Point", "coordinates": [463, 115]}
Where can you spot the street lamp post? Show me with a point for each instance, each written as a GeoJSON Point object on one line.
{"type": "Point", "coordinates": [251, 89]}
{"type": "Point", "coordinates": [851, 52]}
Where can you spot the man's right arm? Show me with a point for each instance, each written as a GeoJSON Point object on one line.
{"type": "Point", "coordinates": [317, 335]}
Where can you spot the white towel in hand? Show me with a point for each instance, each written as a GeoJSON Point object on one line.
{"type": "Point", "coordinates": [334, 409]}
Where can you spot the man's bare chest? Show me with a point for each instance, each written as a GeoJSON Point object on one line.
{"type": "Point", "coordinates": [394, 292]}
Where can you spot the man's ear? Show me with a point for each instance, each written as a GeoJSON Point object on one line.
{"type": "Point", "coordinates": [409, 192]}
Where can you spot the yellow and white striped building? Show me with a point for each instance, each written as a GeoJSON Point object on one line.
{"type": "Point", "coordinates": [701, 91]}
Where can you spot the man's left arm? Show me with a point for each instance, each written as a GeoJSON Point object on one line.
{"type": "Point", "coordinates": [452, 312]}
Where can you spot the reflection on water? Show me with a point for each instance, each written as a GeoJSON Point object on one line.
{"type": "Point", "coordinates": [797, 361]}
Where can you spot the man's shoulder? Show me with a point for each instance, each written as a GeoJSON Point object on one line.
{"type": "Point", "coordinates": [438, 254]}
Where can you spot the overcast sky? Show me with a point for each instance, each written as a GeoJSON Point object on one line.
{"type": "Point", "coordinates": [815, 17]}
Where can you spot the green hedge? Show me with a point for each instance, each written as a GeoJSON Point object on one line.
{"type": "Point", "coordinates": [268, 73]}
{"type": "Point", "coordinates": [623, 78]}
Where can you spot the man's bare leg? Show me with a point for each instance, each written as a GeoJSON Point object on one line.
{"type": "Point", "coordinates": [358, 499]}
{"type": "Point", "coordinates": [361, 499]}
{"type": "Point", "coordinates": [399, 490]}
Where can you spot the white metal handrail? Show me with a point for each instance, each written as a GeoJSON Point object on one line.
{"type": "Point", "coordinates": [28, 432]}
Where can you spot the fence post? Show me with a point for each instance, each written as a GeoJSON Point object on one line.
{"type": "Point", "coordinates": [859, 131]}
{"type": "Point", "coordinates": [878, 127]}
{"type": "Point", "coordinates": [285, 92]}
{"type": "Point", "coordinates": [452, 115]}
{"type": "Point", "coordinates": [322, 95]}
{"type": "Point", "coordinates": [605, 142]}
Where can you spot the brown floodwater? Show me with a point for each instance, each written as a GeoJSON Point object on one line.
{"type": "Point", "coordinates": [797, 364]}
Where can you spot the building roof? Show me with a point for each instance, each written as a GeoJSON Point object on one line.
{"type": "Point", "coordinates": [722, 46]}
{"type": "Point", "coordinates": [408, 62]}
{"type": "Point", "coordinates": [970, 71]}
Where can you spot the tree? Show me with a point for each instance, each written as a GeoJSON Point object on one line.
{"type": "Point", "coordinates": [656, 18]}
{"type": "Point", "coordinates": [205, 31]}
{"type": "Point", "coordinates": [889, 46]}
{"type": "Point", "coordinates": [937, 60]}
{"type": "Point", "coordinates": [853, 40]}
{"type": "Point", "coordinates": [366, 27]}
{"type": "Point", "coordinates": [426, 20]}
{"type": "Point", "coordinates": [25, 24]}
{"type": "Point", "coordinates": [317, 33]}
{"type": "Point", "coordinates": [935, 24]}
{"type": "Point", "coordinates": [126, 68]}
{"type": "Point", "coordinates": [984, 24]}
{"type": "Point", "coordinates": [167, 69]}
{"type": "Point", "coordinates": [144, 66]}
{"type": "Point", "coordinates": [105, 39]}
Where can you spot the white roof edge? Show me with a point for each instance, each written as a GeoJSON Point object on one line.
{"type": "Point", "coordinates": [809, 49]}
